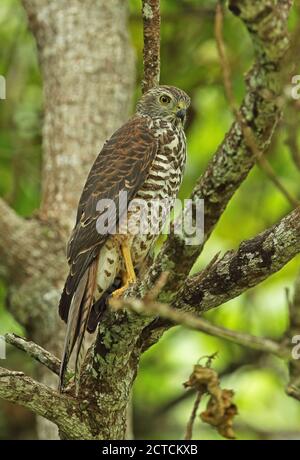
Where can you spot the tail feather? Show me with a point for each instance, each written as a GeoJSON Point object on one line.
{"type": "Point", "coordinates": [85, 313]}
{"type": "Point", "coordinates": [73, 320]}
{"type": "Point", "coordinates": [77, 320]}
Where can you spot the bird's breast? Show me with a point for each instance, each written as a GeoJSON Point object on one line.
{"type": "Point", "coordinates": [159, 190]}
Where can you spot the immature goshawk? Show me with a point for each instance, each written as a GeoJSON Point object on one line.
{"type": "Point", "coordinates": [144, 160]}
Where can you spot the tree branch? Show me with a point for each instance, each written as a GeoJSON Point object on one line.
{"type": "Point", "coordinates": [249, 137]}
{"type": "Point", "coordinates": [255, 260]}
{"type": "Point", "coordinates": [267, 25]}
{"type": "Point", "coordinates": [191, 321]}
{"type": "Point", "coordinates": [151, 24]}
{"type": "Point", "coordinates": [35, 351]}
{"type": "Point", "coordinates": [63, 411]}
{"type": "Point", "coordinates": [250, 358]}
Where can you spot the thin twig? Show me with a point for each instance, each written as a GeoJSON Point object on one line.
{"type": "Point", "coordinates": [223, 58]}
{"type": "Point", "coordinates": [247, 131]}
{"type": "Point", "coordinates": [220, 408]}
{"type": "Point", "coordinates": [157, 288]}
{"type": "Point", "coordinates": [192, 321]}
{"type": "Point", "coordinates": [151, 24]}
{"type": "Point", "coordinates": [292, 141]}
{"type": "Point", "coordinates": [246, 360]}
{"type": "Point", "coordinates": [190, 424]}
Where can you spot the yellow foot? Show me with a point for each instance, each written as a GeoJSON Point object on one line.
{"type": "Point", "coordinates": [127, 282]}
{"type": "Point", "coordinates": [119, 292]}
{"type": "Point", "coordinates": [128, 276]}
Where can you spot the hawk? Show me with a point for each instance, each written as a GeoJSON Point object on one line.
{"type": "Point", "coordinates": [145, 160]}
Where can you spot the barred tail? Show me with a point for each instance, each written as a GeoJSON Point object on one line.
{"type": "Point", "coordinates": [77, 322]}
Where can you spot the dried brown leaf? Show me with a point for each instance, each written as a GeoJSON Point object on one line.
{"type": "Point", "coordinates": [220, 409]}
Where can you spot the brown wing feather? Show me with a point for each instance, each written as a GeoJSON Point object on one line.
{"type": "Point", "coordinates": [122, 165]}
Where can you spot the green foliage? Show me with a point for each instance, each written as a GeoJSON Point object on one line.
{"type": "Point", "coordinates": [189, 60]}
{"type": "Point", "coordinates": [21, 112]}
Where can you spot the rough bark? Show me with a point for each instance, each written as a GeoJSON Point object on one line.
{"type": "Point", "coordinates": [254, 261]}
{"type": "Point", "coordinates": [235, 272]}
{"type": "Point", "coordinates": [35, 351]}
{"type": "Point", "coordinates": [64, 411]}
{"type": "Point", "coordinates": [151, 23]}
{"type": "Point", "coordinates": [88, 72]}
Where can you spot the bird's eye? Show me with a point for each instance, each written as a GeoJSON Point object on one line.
{"type": "Point", "coordinates": [164, 99]}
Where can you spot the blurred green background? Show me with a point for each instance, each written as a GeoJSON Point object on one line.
{"type": "Point", "coordinates": [189, 60]}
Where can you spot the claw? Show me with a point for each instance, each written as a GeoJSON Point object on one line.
{"type": "Point", "coordinates": [129, 276]}
{"type": "Point", "coordinates": [119, 292]}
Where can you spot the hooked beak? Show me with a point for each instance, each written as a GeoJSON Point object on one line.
{"type": "Point", "coordinates": [181, 114]}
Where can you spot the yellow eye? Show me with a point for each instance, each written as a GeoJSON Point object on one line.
{"type": "Point", "coordinates": [164, 99]}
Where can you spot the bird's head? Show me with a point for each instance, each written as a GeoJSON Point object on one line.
{"type": "Point", "coordinates": [165, 102]}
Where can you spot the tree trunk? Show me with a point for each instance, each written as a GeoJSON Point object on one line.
{"type": "Point", "coordinates": [88, 72]}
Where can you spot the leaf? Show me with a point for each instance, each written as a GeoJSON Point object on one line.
{"type": "Point", "coordinates": [220, 409]}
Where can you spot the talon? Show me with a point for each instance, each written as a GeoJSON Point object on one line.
{"type": "Point", "coordinates": [119, 292]}
{"type": "Point", "coordinates": [128, 277]}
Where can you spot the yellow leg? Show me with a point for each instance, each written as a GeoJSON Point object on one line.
{"type": "Point", "coordinates": [131, 278]}
{"type": "Point", "coordinates": [129, 274]}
